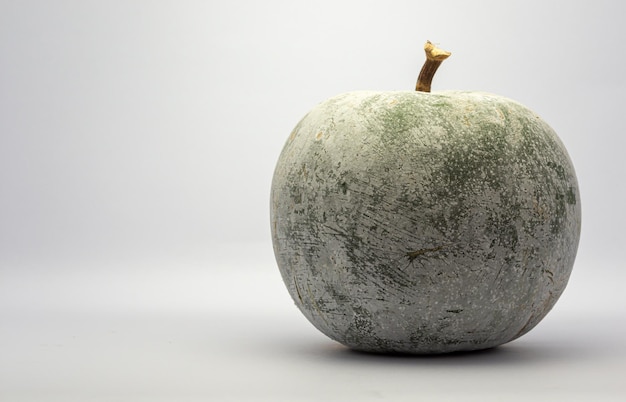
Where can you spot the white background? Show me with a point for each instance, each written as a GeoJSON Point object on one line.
{"type": "Point", "coordinates": [137, 145]}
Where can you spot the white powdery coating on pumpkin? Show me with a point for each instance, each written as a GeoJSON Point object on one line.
{"type": "Point", "coordinates": [424, 223]}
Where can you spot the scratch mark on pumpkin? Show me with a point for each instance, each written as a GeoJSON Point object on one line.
{"type": "Point", "coordinates": [412, 255]}
{"type": "Point", "coordinates": [316, 306]}
{"type": "Point", "coordinates": [550, 275]}
{"type": "Point", "coordinates": [297, 289]}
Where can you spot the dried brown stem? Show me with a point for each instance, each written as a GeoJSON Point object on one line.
{"type": "Point", "coordinates": [434, 57]}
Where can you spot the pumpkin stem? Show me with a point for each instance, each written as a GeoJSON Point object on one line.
{"type": "Point", "coordinates": [434, 57]}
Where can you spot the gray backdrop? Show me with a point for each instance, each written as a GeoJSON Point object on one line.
{"type": "Point", "coordinates": [137, 144]}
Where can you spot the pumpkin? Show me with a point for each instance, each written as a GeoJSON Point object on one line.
{"type": "Point", "coordinates": [424, 222]}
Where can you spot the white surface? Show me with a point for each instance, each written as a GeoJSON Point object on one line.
{"type": "Point", "coordinates": [138, 139]}
{"type": "Point", "coordinates": [178, 331]}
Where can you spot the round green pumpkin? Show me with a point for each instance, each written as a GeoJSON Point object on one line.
{"type": "Point", "coordinates": [419, 222]}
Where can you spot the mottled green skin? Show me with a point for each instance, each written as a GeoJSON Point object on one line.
{"type": "Point", "coordinates": [424, 222]}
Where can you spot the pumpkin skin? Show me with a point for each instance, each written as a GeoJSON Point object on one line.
{"type": "Point", "coordinates": [414, 222]}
